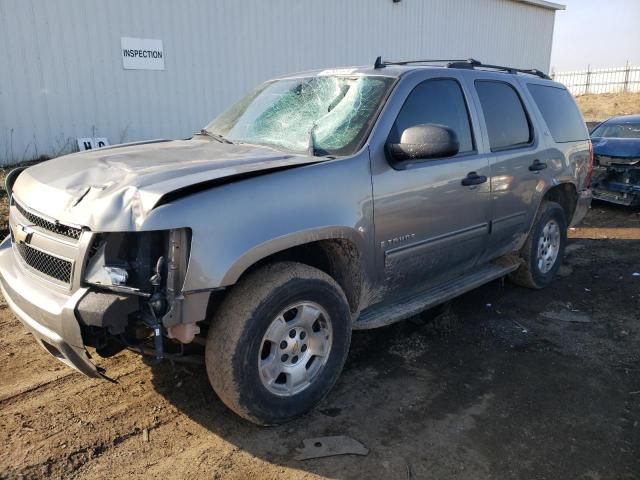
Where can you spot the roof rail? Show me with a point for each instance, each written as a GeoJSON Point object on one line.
{"type": "Point", "coordinates": [408, 62]}
{"type": "Point", "coordinates": [470, 63]}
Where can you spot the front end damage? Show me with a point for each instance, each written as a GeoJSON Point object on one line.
{"type": "Point", "coordinates": [73, 288]}
{"type": "Point", "coordinates": [617, 180]}
{"type": "Point", "coordinates": [136, 300]}
{"type": "Point", "coordinates": [73, 285]}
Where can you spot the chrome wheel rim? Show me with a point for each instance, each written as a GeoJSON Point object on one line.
{"type": "Point", "coordinates": [295, 348]}
{"type": "Point", "coordinates": [548, 246]}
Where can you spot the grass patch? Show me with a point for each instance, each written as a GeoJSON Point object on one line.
{"type": "Point", "coordinates": [597, 108]}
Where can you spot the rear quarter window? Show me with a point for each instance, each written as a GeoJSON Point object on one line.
{"type": "Point", "coordinates": [560, 113]}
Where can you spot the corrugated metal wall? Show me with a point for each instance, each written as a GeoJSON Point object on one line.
{"type": "Point", "coordinates": [62, 76]}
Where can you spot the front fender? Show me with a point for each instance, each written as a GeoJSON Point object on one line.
{"type": "Point", "coordinates": [280, 244]}
{"type": "Point", "coordinates": [235, 225]}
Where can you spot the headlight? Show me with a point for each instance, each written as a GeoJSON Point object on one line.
{"type": "Point", "coordinates": [128, 261]}
{"type": "Point", "coordinates": [117, 275]}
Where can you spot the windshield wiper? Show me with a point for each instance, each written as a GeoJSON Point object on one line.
{"type": "Point", "coordinates": [215, 136]}
{"type": "Point", "coordinates": [312, 140]}
{"type": "Point", "coordinates": [311, 149]}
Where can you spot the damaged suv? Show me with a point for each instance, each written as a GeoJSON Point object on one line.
{"type": "Point", "coordinates": [321, 203]}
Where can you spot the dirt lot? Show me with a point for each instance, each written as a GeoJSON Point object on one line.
{"type": "Point", "coordinates": [506, 383]}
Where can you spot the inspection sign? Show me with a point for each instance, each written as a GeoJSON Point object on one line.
{"type": "Point", "coordinates": [142, 54]}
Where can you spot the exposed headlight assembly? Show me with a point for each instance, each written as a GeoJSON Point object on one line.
{"type": "Point", "coordinates": [112, 276]}
{"type": "Point", "coordinates": [129, 262]}
{"type": "Point", "coordinates": [151, 265]}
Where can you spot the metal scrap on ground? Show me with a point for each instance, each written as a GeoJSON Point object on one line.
{"type": "Point", "coordinates": [330, 446]}
{"type": "Point", "coordinates": [567, 316]}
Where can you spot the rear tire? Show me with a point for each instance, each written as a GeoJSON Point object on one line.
{"type": "Point", "coordinates": [543, 251]}
{"type": "Point", "coordinates": [278, 342]}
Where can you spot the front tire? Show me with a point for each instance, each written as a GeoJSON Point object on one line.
{"type": "Point", "coordinates": [543, 251]}
{"type": "Point", "coordinates": [278, 342]}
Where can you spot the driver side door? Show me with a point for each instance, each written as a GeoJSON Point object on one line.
{"type": "Point", "coordinates": [430, 225]}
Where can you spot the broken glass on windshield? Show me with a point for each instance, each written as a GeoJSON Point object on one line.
{"type": "Point", "coordinates": [331, 113]}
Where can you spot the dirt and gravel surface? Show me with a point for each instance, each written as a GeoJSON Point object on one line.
{"type": "Point", "coordinates": [504, 383]}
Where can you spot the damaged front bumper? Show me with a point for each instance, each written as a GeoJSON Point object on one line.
{"type": "Point", "coordinates": [48, 314]}
{"type": "Point", "coordinates": [65, 319]}
{"type": "Point", "coordinates": [617, 184]}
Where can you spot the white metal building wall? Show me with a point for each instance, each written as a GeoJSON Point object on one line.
{"type": "Point", "coordinates": [62, 76]}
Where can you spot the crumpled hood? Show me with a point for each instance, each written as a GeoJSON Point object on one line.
{"type": "Point", "coordinates": [617, 147]}
{"type": "Point", "coordinates": [115, 188]}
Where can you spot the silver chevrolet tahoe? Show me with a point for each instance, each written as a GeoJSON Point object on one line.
{"type": "Point", "coordinates": [322, 202]}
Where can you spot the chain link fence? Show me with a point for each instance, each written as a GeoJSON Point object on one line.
{"type": "Point", "coordinates": [601, 80]}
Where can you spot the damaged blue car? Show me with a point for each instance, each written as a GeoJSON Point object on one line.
{"type": "Point", "coordinates": [616, 148]}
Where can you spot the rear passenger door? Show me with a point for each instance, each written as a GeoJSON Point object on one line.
{"type": "Point", "coordinates": [515, 162]}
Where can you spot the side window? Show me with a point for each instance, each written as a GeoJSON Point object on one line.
{"type": "Point", "coordinates": [437, 101]}
{"type": "Point", "coordinates": [560, 113]}
{"type": "Point", "coordinates": [507, 122]}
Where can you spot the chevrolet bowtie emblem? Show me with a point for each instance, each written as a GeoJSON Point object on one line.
{"type": "Point", "coordinates": [22, 233]}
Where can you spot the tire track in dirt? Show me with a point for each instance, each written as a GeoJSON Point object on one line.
{"type": "Point", "coordinates": [7, 399]}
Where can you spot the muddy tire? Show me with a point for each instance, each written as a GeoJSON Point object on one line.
{"type": "Point", "coordinates": [278, 342]}
{"type": "Point", "coordinates": [543, 251]}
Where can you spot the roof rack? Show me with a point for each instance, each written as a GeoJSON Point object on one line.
{"type": "Point", "coordinates": [469, 63]}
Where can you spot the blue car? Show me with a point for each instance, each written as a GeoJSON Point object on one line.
{"type": "Point", "coordinates": [616, 148]}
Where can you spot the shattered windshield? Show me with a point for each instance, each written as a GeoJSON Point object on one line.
{"type": "Point", "coordinates": [321, 114]}
{"type": "Point", "coordinates": [617, 130]}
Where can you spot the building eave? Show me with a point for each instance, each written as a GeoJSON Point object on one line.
{"type": "Point", "coordinates": [544, 4]}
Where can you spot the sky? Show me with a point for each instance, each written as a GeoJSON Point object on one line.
{"type": "Point", "coordinates": [596, 33]}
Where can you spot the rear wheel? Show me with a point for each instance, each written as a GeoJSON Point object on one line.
{"type": "Point", "coordinates": [278, 342]}
{"type": "Point", "coordinates": [543, 251]}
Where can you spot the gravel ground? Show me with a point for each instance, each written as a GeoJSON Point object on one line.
{"type": "Point", "coordinates": [502, 383]}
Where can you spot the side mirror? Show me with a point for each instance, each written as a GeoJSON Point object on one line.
{"type": "Point", "coordinates": [423, 142]}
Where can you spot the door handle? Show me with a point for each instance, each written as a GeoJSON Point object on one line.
{"type": "Point", "coordinates": [473, 179]}
{"type": "Point", "coordinates": [537, 165]}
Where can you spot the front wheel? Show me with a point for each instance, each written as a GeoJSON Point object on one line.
{"type": "Point", "coordinates": [278, 342]}
{"type": "Point", "coordinates": [543, 251]}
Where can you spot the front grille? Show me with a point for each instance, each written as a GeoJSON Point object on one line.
{"type": "Point", "coordinates": [46, 264]}
{"type": "Point", "coordinates": [58, 228]}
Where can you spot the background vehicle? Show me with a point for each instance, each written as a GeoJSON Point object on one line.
{"type": "Point", "coordinates": [616, 148]}
{"type": "Point", "coordinates": [322, 202]}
